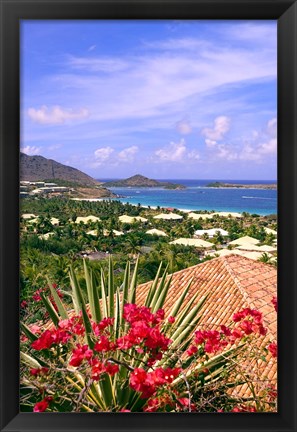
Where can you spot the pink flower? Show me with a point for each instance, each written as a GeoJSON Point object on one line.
{"type": "Point", "coordinates": [97, 370]}
{"type": "Point", "coordinates": [111, 369]}
{"type": "Point", "coordinates": [192, 350]}
{"type": "Point", "coordinates": [39, 371]}
{"type": "Point", "coordinates": [103, 344]}
{"type": "Point", "coordinates": [49, 338]}
{"type": "Point", "coordinates": [274, 302]}
{"type": "Point", "coordinates": [171, 319]}
{"type": "Point", "coordinates": [45, 341]}
{"type": "Point", "coordinates": [41, 406]}
{"type": "Point", "coordinates": [102, 325]}
{"type": "Point", "coordinates": [273, 349]}
{"type": "Point", "coordinates": [80, 353]}
{"type": "Point", "coordinates": [34, 328]}
{"type": "Point", "coordinates": [137, 378]}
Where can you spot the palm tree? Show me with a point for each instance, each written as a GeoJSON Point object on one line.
{"type": "Point", "coordinates": [132, 246]}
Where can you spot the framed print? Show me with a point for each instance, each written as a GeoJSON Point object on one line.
{"type": "Point", "coordinates": [148, 210]}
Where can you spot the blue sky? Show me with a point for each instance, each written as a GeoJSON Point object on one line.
{"type": "Point", "coordinates": [166, 99]}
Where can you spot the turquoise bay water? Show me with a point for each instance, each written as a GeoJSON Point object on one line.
{"type": "Point", "coordinates": [197, 196]}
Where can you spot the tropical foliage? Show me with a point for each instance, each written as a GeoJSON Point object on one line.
{"type": "Point", "coordinates": [97, 348]}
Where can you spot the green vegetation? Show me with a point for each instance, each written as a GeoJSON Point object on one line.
{"type": "Point", "coordinates": [102, 352]}
{"type": "Point", "coordinates": [45, 246]}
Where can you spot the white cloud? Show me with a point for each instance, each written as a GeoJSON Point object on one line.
{"type": "Point", "coordinates": [127, 155]}
{"type": "Point", "coordinates": [226, 152]}
{"type": "Point", "coordinates": [54, 147]}
{"type": "Point", "coordinates": [249, 153]}
{"type": "Point", "coordinates": [210, 143]}
{"type": "Point", "coordinates": [193, 155]}
{"type": "Point", "coordinates": [175, 152]}
{"type": "Point", "coordinates": [31, 150]}
{"type": "Point", "coordinates": [177, 44]}
{"type": "Point", "coordinates": [91, 48]}
{"type": "Point", "coordinates": [98, 64]}
{"type": "Point", "coordinates": [152, 84]}
{"type": "Point", "coordinates": [272, 127]}
{"type": "Point", "coordinates": [269, 147]}
{"type": "Point", "coordinates": [183, 127]}
{"type": "Point", "coordinates": [221, 127]}
{"type": "Point", "coordinates": [55, 114]}
{"type": "Point", "coordinates": [102, 154]}
{"type": "Point", "coordinates": [262, 145]}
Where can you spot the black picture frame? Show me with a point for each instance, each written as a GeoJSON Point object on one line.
{"type": "Point", "coordinates": [285, 12]}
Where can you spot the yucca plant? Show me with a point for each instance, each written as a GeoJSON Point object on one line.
{"type": "Point", "coordinates": [85, 360]}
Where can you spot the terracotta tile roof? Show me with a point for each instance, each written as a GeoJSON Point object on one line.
{"type": "Point", "coordinates": [232, 283]}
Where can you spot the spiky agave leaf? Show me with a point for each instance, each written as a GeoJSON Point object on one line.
{"type": "Point", "coordinates": [61, 308]}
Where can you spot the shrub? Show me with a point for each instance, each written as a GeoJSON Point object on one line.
{"type": "Point", "coordinates": [111, 354]}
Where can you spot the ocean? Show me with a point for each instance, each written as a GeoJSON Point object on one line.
{"type": "Point", "coordinates": [197, 196]}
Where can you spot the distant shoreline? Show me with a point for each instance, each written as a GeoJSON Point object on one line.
{"type": "Point", "coordinates": [219, 185]}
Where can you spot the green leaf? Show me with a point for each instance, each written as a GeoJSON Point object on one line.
{"type": "Point", "coordinates": [125, 294]}
{"type": "Point", "coordinates": [103, 296]}
{"type": "Point", "coordinates": [107, 391]}
{"type": "Point", "coordinates": [158, 291]}
{"type": "Point", "coordinates": [186, 326]}
{"type": "Point", "coordinates": [50, 309]}
{"type": "Point", "coordinates": [31, 336]}
{"type": "Point", "coordinates": [60, 306]}
{"type": "Point", "coordinates": [161, 300]}
{"type": "Point", "coordinates": [117, 315]}
{"type": "Point", "coordinates": [30, 361]}
{"type": "Point", "coordinates": [92, 294]}
{"type": "Point", "coordinates": [133, 284]}
{"type": "Point", "coordinates": [81, 304]}
{"type": "Point", "coordinates": [110, 289]}
{"type": "Point", "coordinates": [176, 308]}
{"type": "Point", "coordinates": [74, 284]}
{"type": "Point", "coordinates": [153, 287]}
{"type": "Point", "coordinates": [97, 309]}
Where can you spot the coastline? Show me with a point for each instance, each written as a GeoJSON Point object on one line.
{"type": "Point", "coordinates": [164, 207]}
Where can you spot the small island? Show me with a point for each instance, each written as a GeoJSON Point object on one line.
{"type": "Point", "coordinates": [241, 186]}
{"type": "Point", "coordinates": [142, 182]}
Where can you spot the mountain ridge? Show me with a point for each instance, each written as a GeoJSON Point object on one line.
{"type": "Point", "coordinates": [139, 180]}
{"type": "Point", "coordinates": [37, 168]}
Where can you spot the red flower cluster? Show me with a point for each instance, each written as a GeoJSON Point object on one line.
{"type": "Point", "coordinates": [273, 349]}
{"type": "Point", "coordinates": [73, 325]}
{"type": "Point", "coordinates": [148, 382]}
{"type": "Point", "coordinates": [274, 302]}
{"type": "Point", "coordinates": [158, 403]}
{"type": "Point", "coordinates": [239, 409]}
{"type": "Point", "coordinates": [134, 313]}
{"type": "Point", "coordinates": [104, 344]}
{"type": "Point", "coordinates": [42, 405]}
{"type": "Point", "coordinates": [49, 338]}
{"type": "Point", "coordinates": [99, 368]}
{"type": "Point", "coordinates": [243, 408]}
{"type": "Point", "coordinates": [250, 321]}
{"type": "Point", "coordinates": [39, 371]}
{"type": "Point", "coordinates": [184, 402]}
{"type": "Point", "coordinates": [100, 327]}
{"type": "Point", "coordinates": [144, 333]}
{"type": "Point", "coordinates": [212, 340]}
{"type": "Point", "coordinates": [37, 297]}
{"type": "Point", "coordinates": [272, 393]}
{"type": "Point", "coordinates": [79, 354]}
